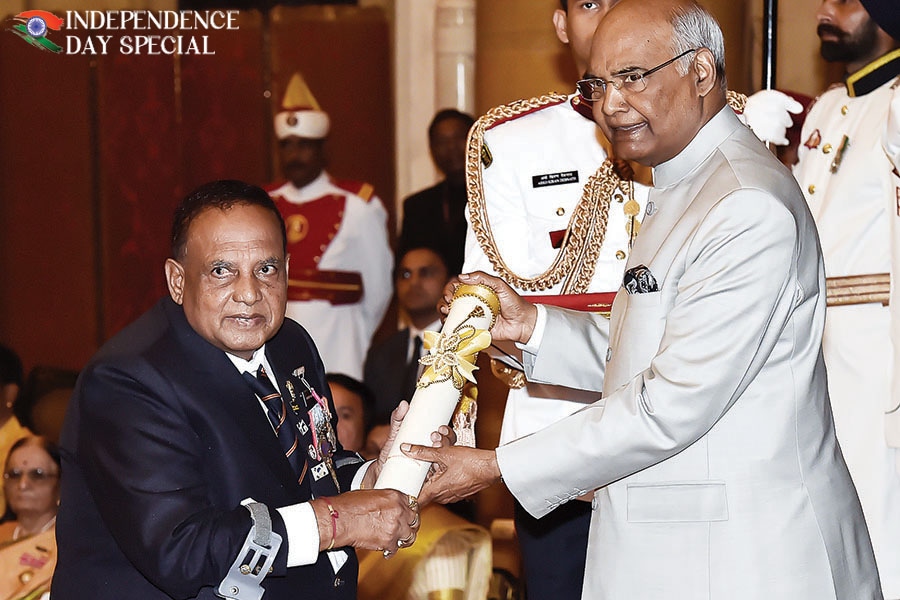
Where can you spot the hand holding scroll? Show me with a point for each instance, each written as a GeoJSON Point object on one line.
{"type": "Point", "coordinates": [517, 316]}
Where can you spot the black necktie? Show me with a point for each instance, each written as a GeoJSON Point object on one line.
{"type": "Point", "coordinates": [412, 369]}
{"type": "Point", "coordinates": [281, 420]}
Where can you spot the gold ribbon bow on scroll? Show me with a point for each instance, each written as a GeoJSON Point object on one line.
{"type": "Point", "coordinates": [450, 356]}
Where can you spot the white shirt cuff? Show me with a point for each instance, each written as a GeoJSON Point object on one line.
{"type": "Point", "coordinates": [302, 533]}
{"type": "Point", "coordinates": [303, 530]}
{"type": "Point", "coordinates": [537, 334]}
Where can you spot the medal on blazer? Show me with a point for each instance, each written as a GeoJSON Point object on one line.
{"type": "Point", "coordinates": [295, 407]}
{"type": "Point", "coordinates": [323, 435]}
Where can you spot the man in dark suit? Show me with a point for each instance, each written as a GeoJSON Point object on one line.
{"type": "Point", "coordinates": [391, 369]}
{"type": "Point", "coordinates": [169, 433]}
{"type": "Point", "coordinates": [436, 216]}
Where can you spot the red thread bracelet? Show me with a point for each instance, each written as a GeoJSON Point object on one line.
{"type": "Point", "coordinates": [334, 518]}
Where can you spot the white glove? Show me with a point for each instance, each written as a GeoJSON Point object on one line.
{"type": "Point", "coordinates": [768, 114]}
{"type": "Point", "coordinates": [891, 141]}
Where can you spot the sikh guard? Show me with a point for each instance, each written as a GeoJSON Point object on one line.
{"type": "Point", "coordinates": [847, 179]}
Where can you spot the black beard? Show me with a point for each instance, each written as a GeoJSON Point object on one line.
{"type": "Point", "coordinates": [849, 47]}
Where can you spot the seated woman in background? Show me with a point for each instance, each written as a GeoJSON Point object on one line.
{"type": "Point", "coordinates": [28, 543]}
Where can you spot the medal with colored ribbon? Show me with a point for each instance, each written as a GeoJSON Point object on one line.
{"type": "Point", "coordinates": [323, 436]}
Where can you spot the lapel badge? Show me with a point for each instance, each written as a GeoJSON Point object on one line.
{"type": "Point", "coordinates": [312, 452]}
{"type": "Point", "coordinates": [815, 138]}
{"type": "Point", "coordinates": [289, 385]}
{"type": "Point", "coordinates": [319, 471]}
{"type": "Point", "coordinates": [299, 371]}
{"type": "Point", "coordinates": [303, 427]}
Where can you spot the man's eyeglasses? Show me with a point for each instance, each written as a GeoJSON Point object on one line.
{"type": "Point", "coordinates": [630, 82]}
{"type": "Point", "coordinates": [35, 475]}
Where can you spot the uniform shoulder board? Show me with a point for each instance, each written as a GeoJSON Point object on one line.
{"type": "Point", "coordinates": [519, 108]}
{"type": "Point", "coordinates": [364, 190]}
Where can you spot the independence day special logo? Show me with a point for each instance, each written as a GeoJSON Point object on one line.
{"type": "Point", "coordinates": [33, 26]}
{"type": "Point", "coordinates": [126, 32]}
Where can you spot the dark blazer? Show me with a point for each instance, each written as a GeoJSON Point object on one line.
{"type": "Point", "coordinates": [387, 375]}
{"type": "Point", "coordinates": [162, 441]}
{"type": "Point", "coordinates": [425, 223]}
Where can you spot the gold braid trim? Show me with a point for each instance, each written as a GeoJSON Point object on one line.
{"type": "Point", "coordinates": [736, 100]}
{"type": "Point", "coordinates": [586, 232]}
{"type": "Point", "coordinates": [584, 236]}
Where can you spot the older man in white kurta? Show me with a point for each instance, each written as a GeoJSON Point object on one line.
{"type": "Point", "coordinates": [713, 446]}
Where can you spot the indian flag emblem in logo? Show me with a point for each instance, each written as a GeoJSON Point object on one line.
{"type": "Point", "coordinates": [33, 25]}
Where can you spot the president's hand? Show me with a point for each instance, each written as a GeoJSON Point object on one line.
{"type": "Point", "coordinates": [517, 315]}
{"type": "Point", "coordinates": [444, 436]}
{"type": "Point", "coordinates": [457, 472]}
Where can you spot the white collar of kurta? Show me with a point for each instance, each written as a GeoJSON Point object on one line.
{"type": "Point", "coordinates": [252, 366]}
{"type": "Point", "coordinates": [698, 150]}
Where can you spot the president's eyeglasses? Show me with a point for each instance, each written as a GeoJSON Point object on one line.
{"type": "Point", "coordinates": [35, 475]}
{"type": "Point", "coordinates": [630, 82]}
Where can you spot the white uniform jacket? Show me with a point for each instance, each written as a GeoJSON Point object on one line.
{"type": "Point", "coordinates": [343, 332]}
{"type": "Point", "coordinates": [848, 182]}
{"type": "Point", "coordinates": [714, 441]}
{"type": "Point", "coordinates": [541, 162]}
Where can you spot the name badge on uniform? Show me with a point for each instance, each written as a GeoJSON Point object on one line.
{"type": "Point", "coordinates": [548, 179]}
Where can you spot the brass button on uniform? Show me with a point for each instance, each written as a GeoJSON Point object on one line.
{"type": "Point", "coordinates": [620, 254]}
{"type": "Point", "coordinates": [844, 109]}
{"type": "Point", "coordinates": [812, 189]}
{"type": "Point", "coordinates": [619, 198]}
{"type": "Point", "coordinates": [560, 211]}
{"type": "Point", "coordinates": [826, 148]}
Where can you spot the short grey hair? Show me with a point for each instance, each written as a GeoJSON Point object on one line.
{"type": "Point", "coordinates": [694, 27]}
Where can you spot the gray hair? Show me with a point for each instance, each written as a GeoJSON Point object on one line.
{"type": "Point", "coordinates": [694, 27]}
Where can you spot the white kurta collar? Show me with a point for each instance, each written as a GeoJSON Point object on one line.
{"type": "Point", "coordinates": [710, 136]}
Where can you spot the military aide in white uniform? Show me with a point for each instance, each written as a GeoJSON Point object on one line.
{"type": "Point", "coordinates": [339, 283]}
{"type": "Point", "coordinates": [538, 157]}
{"type": "Point", "coordinates": [847, 180]}
{"type": "Point", "coordinates": [540, 162]}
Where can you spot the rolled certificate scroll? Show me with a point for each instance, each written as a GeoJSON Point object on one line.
{"type": "Point", "coordinates": [449, 364]}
